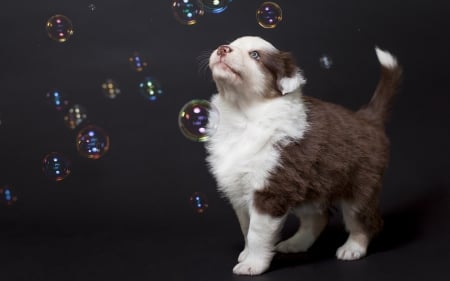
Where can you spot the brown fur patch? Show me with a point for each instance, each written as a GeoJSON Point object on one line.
{"type": "Point", "coordinates": [342, 156]}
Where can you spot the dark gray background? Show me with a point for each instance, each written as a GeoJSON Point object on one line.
{"type": "Point", "coordinates": [127, 215]}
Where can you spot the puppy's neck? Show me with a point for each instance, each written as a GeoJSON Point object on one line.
{"type": "Point", "coordinates": [240, 101]}
{"type": "Point", "coordinates": [242, 97]}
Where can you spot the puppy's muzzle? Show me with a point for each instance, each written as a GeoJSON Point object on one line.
{"type": "Point", "coordinates": [223, 50]}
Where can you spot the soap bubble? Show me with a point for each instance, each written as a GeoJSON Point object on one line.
{"type": "Point", "coordinates": [110, 89]}
{"type": "Point", "coordinates": [137, 62]}
{"type": "Point", "coordinates": [150, 88]}
{"type": "Point", "coordinates": [55, 166]}
{"type": "Point", "coordinates": [187, 11]}
{"type": "Point", "coordinates": [198, 119]}
{"type": "Point", "coordinates": [8, 195]}
{"type": "Point", "coordinates": [57, 99]}
{"type": "Point", "coordinates": [199, 202]}
{"type": "Point", "coordinates": [269, 14]}
{"type": "Point", "coordinates": [325, 62]}
{"type": "Point", "coordinates": [92, 7]}
{"type": "Point", "coordinates": [75, 115]}
{"type": "Point", "coordinates": [59, 28]}
{"type": "Point", "coordinates": [92, 142]}
{"type": "Point", "coordinates": [215, 6]}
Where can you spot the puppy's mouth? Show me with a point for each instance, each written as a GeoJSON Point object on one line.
{"type": "Point", "coordinates": [225, 67]}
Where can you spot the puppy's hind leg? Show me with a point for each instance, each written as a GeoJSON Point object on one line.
{"type": "Point", "coordinates": [312, 222]}
{"type": "Point", "coordinates": [362, 223]}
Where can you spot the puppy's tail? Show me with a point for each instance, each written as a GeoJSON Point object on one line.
{"type": "Point", "coordinates": [378, 109]}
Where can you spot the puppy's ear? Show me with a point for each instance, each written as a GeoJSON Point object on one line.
{"type": "Point", "coordinates": [287, 75]}
{"type": "Point", "coordinates": [289, 78]}
{"type": "Point", "coordinates": [289, 84]}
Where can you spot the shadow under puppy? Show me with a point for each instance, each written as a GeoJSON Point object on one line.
{"type": "Point", "coordinates": [275, 151]}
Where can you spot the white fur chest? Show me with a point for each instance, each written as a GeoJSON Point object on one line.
{"type": "Point", "coordinates": [245, 146]}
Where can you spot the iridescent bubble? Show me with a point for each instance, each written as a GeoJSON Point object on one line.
{"type": "Point", "coordinates": [110, 89]}
{"type": "Point", "coordinates": [187, 11]}
{"type": "Point", "coordinates": [8, 195]}
{"type": "Point", "coordinates": [199, 202]}
{"type": "Point", "coordinates": [269, 14]}
{"type": "Point", "coordinates": [150, 88]}
{"type": "Point", "coordinates": [75, 115]}
{"type": "Point", "coordinates": [59, 28]}
{"type": "Point", "coordinates": [92, 142]}
{"type": "Point", "coordinates": [325, 62]}
{"type": "Point", "coordinates": [55, 166]}
{"type": "Point", "coordinates": [198, 120]}
{"type": "Point", "coordinates": [137, 62]}
{"type": "Point", "coordinates": [92, 7]}
{"type": "Point", "coordinates": [57, 99]}
{"type": "Point", "coordinates": [215, 6]}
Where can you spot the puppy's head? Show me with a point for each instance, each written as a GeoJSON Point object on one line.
{"type": "Point", "coordinates": [253, 67]}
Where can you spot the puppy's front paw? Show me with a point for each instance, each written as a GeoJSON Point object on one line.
{"type": "Point", "coordinates": [243, 255]}
{"type": "Point", "coordinates": [251, 267]}
{"type": "Point", "coordinates": [350, 251]}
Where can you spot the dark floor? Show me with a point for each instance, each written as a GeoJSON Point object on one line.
{"type": "Point", "coordinates": [414, 245]}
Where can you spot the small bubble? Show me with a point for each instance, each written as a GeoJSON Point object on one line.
{"type": "Point", "coordinates": [150, 88]}
{"type": "Point", "coordinates": [269, 14]}
{"type": "Point", "coordinates": [199, 202]}
{"type": "Point", "coordinates": [215, 6]}
{"type": "Point", "coordinates": [92, 7]}
{"type": "Point", "coordinates": [55, 166]}
{"type": "Point", "coordinates": [92, 142]}
{"type": "Point", "coordinates": [198, 120]}
{"type": "Point", "coordinates": [187, 11]}
{"type": "Point", "coordinates": [57, 99]}
{"type": "Point", "coordinates": [8, 195]}
{"type": "Point", "coordinates": [75, 115]}
{"type": "Point", "coordinates": [137, 62]}
{"type": "Point", "coordinates": [59, 28]}
{"type": "Point", "coordinates": [110, 89]}
{"type": "Point", "coordinates": [325, 62]}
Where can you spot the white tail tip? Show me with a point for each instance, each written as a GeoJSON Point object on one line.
{"type": "Point", "coordinates": [385, 58]}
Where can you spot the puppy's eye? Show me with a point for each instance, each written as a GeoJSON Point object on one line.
{"type": "Point", "coordinates": [254, 55]}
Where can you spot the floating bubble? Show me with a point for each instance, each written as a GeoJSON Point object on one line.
{"type": "Point", "coordinates": [137, 62]}
{"type": "Point", "coordinates": [215, 6]}
{"type": "Point", "coordinates": [110, 89]}
{"type": "Point", "coordinates": [55, 166]}
{"type": "Point", "coordinates": [59, 28]}
{"type": "Point", "coordinates": [92, 142]}
{"type": "Point", "coordinates": [198, 119]}
{"type": "Point", "coordinates": [75, 115]}
{"type": "Point", "coordinates": [325, 62]}
{"type": "Point", "coordinates": [150, 88]}
{"type": "Point", "coordinates": [199, 202]}
{"type": "Point", "coordinates": [57, 99]}
{"type": "Point", "coordinates": [269, 14]}
{"type": "Point", "coordinates": [187, 11]}
{"type": "Point", "coordinates": [92, 7]}
{"type": "Point", "coordinates": [8, 195]}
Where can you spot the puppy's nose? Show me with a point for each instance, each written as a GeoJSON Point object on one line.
{"type": "Point", "coordinates": [223, 50]}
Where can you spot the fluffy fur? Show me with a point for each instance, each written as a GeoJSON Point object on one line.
{"type": "Point", "coordinates": [275, 152]}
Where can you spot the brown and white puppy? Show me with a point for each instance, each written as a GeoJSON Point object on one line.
{"type": "Point", "coordinates": [276, 151]}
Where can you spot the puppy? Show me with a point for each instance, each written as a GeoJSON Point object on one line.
{"type": "Point", "coordinates": [275, 151]}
